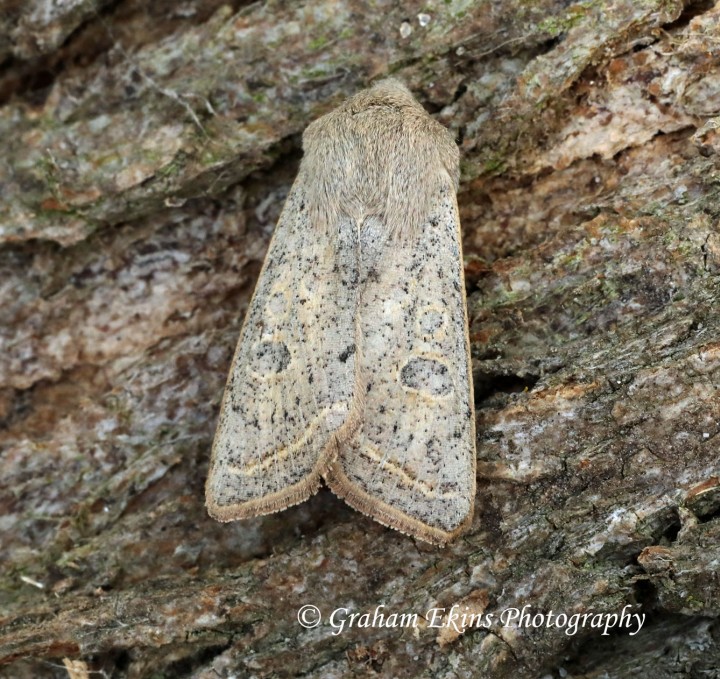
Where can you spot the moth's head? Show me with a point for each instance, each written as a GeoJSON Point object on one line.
{"type": "Point", "coordinates": [388, 92]}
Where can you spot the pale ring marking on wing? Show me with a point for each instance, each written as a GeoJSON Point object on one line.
{"type": "Point", "coordinates": [424, 316]}
{"type": "Point", "coordinates": [373, 453]}
{"type": "Point", "coordinates": [308, 288]}
{"type": "Point", "coordinates": [278, 304]}
{"type": "Point", "coordinates": [275, 456]}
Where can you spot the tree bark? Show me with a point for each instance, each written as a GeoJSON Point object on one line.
{"type": "Point", "coordinates": [146, 154]}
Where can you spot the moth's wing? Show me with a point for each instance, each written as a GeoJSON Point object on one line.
{"type": "Point", "coordinates": [411, 462]}
{"type": "Point", "coordinates": [290, 388]}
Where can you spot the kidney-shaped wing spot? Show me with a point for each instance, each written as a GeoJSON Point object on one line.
{"type": "Point", "coordinates": [269, 359]}
{"type": "Point", "coordinates": [430, 376]}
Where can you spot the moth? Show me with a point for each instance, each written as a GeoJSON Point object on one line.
{"type": "Point", "coordinates": [353, 364]}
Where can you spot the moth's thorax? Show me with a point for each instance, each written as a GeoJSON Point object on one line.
{"type": "Point", "coordinates": [380, 154]}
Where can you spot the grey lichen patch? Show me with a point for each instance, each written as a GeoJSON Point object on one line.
{"type": "Point", "coordinates": [40, 26]}
{"type": "Point", "coordinates": [544, 93]}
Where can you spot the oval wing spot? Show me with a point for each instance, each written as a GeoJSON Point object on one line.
{"type": "Point", "coordinates": [308, 285]}
{"type": "Point", "coordinates": [432, 322]}
{"type": "Point", "coordinates": [427, 375]}
{"type": "Point", "coordinates": [269, 358]}
{"type": "Point", "coordinates": [278, 305]}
